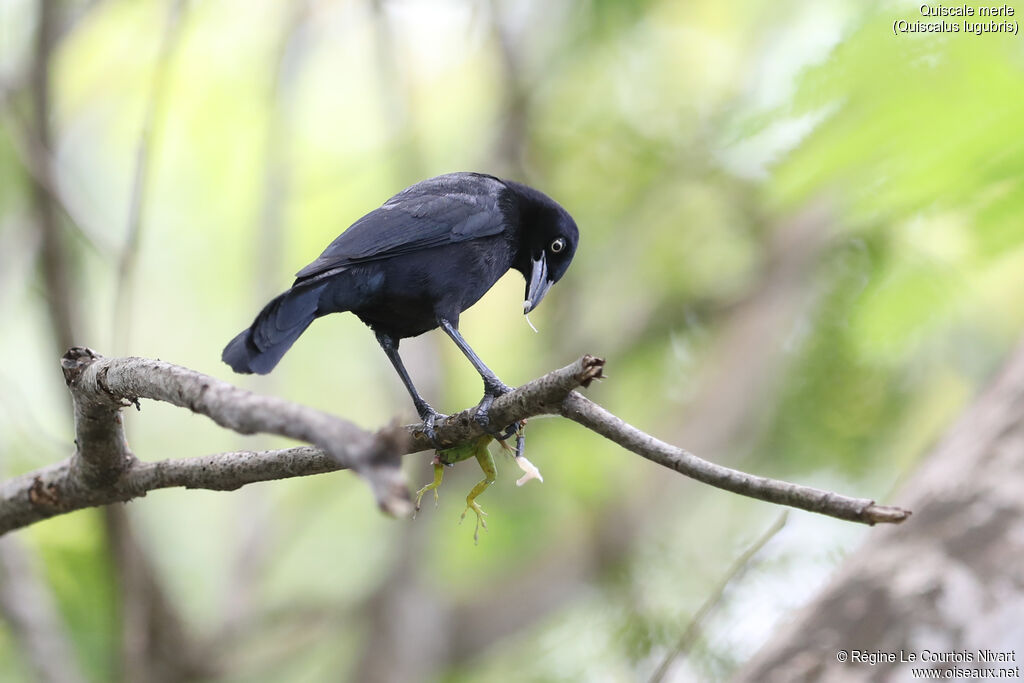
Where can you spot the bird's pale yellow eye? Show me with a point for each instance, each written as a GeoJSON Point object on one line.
{"type": "Point", "coordinates": [558, 245]}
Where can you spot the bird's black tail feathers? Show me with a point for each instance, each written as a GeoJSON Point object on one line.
{"type": "Point", "coordinates": [260, 348]}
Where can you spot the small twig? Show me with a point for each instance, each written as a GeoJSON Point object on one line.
{"type": "Point", "coordinates": [738, 567]}
{"type": "Point", "coordinates": [55, 259]}
{"type": "Point", "coordinates": [512, 140]}
{"type": "Point", "coordinates": [103, 469]}
{"type": "Point", "coordinates": [36, 161]}
{"type": "Point", "coordinates": [594, 417]}
{"type": "Point", "coordinates": [148, 138]}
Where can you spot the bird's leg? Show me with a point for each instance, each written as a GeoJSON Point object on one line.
{"type": "Point", "coordinates": [493, 387]}
{"type": "Point", "coordinates": [427, 414]}
{"type": "Point", "coordinates": [483, 456]}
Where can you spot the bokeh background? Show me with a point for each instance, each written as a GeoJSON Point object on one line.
{"type": "Point", "coordinates": [801, 254]}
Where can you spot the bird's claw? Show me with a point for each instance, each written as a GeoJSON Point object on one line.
{"type": "Point", "coordinates": [482, 416]}
{"type": "Point", "coordinates": [430, 418]}
{"type": "Point", "coordinates": [512, 430]}
{"type": "Point", "coordinates": [483, 419]}
{"type": "Point", "coordinates": [480, 522]}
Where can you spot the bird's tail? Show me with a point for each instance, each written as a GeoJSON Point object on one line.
{"type": "Point", "coordinates": [260, 348]}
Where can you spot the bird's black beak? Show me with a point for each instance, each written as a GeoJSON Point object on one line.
{"type": "Point", "coordinates": [539, 283]}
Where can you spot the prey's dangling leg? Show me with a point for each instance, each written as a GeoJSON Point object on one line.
{"type": "Point", "coordinates": [449, 456]}
{"type": "Point", "coordinates": [483, 456]}
{"type": "Point", "coordinates": [432, 486]}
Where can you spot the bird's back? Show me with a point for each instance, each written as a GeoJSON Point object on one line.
{"type": "Point", "coordinates": [427, 254]}
{"type": "Point", "coordinates": [404, 295]}
{"type": "Point", "coordinates": [447, 209]}
{"type": "Point", "coordinates": [431, 250]}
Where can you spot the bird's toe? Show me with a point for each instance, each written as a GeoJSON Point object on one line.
{"type": "Point", "coordinates": [483, 418]}
{"type": "Point", "coordinates": [430, 417]}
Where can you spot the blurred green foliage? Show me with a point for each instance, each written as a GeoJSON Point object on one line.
{"type": "Point", "coordinates": [684, 137]}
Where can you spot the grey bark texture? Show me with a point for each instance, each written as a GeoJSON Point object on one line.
{"type": "Point", "coordinates": [950, 580]}
{"type": "Point", "coordinates": [103, 469]}
{"type": "Point", "coordinates": [592, 416]}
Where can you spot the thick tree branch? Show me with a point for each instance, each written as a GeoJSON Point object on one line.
{"type": "Point", "coordinates": [103, 470]}
{"type": "Point", "coordinates": [101, 386]}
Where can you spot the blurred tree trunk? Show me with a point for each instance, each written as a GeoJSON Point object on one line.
{"type": "Point", "coordinates": [154, 643]}
{"type": "Point", "coordinates": [30, 609]}
{"type": "Point", "coordinates": [27, 603]}
{"type": "Point", "coordinates": [947, 580]}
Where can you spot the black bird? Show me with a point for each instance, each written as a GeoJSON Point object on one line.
{"type": "Point", "coordinates": [429, 253]}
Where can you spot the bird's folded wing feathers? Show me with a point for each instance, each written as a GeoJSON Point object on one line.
{"type": "Point", "coordinates": [429, 214]}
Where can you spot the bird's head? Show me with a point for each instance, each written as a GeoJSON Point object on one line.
{"type": "Point", "coordinates": [548, 239]}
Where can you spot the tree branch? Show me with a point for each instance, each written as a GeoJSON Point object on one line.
{"type": "Point", "coordinates": [141, 179]}
{"type": "Point", "coordinates": [103, 469]}
{"type": "Point", "coordinates": [594, 417]}
{"type": "Point", "coordinates": [55, 260]}
{"type": "Point", "coordinates": [739, 566]}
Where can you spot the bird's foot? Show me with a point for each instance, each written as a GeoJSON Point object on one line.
{"type": "Point", "coordinates": [432, 486]}
{"type": "Point", "coordinates": [430, 418]}
{"type": "Point", "coordinates": [480, 522]}
{"type": "Point", "coordinates": [516, 429]}
{"type": "Point", "coordinates": [510, 431]}
{"type": "Point", "coordinates": [493, 390]}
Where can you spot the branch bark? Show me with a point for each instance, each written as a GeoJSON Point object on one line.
{"type": "Point", "coordinates": [594, 417]}
{"type": "Point", "coordinates": [103, 469]}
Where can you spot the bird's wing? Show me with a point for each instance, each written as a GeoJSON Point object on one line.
{"type": "Point", "coordinates": [452, 208]}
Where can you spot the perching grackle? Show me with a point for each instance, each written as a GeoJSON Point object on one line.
{"type": "Point", "coordinates": [429, 253]}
